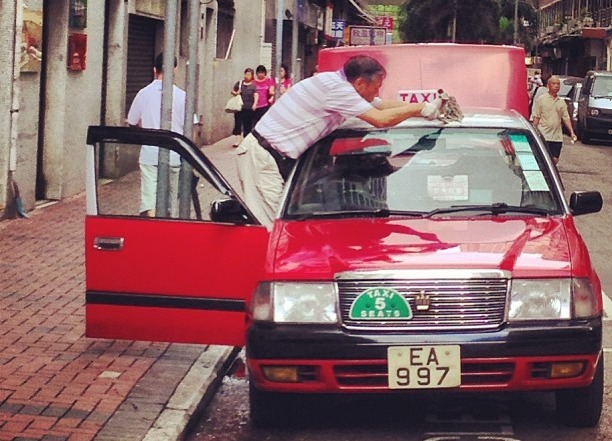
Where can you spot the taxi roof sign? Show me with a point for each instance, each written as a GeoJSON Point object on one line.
{"type": "Point", "coordinates": [477, 75]}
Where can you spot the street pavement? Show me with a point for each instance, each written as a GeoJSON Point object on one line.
{"type": "Point", "coordinates": [55, 383]}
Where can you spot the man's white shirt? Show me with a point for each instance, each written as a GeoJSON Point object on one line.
{"type": "Point", "coordinates": [146, 112]}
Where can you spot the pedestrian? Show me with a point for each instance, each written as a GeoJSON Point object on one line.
{"type": "Point", "coordinates": [243, 120]}
{"type": "Point", "coordinates": [145, 112]}
{"type": "Point", "coordinates": [310, 110]}
{"type": "Point", "coordinates": [265, 92]}
{"type": "Point", "coordinates": [549, 112]}
{"type": "Point", "coordinates": [284, 82]}
{"type": "Point", "coordinates": [537, 79]}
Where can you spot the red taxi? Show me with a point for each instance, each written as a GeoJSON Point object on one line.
{"type": "Point", "coordinates": [422, 257]}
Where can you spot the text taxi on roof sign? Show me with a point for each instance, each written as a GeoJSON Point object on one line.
{"type": "Point", "coordinates": [427, 256]}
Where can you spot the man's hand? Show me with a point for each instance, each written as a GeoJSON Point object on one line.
{"type": "Point", "coordinates": [431, 111]}
{"type": "Point", "coordinates": [574, 138]}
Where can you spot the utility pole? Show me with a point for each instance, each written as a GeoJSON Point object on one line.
{"type": "Point", "coordinates": [192, 77]}
{"type": "Point", "coordinates": [294, 42]}
{"type": "Point", "coordinates": [454, 24]}
{"type": "Point", "coordinates": [163, 164]}
{"type": "Point", "coordinates": [280, 15]}
{"type": "Point", "coordinates": [515, 22]}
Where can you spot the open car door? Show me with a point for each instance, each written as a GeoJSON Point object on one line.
{"type": "Point", "coordinates": [186, 276]}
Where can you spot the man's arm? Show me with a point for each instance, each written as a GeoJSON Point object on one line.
{"type": "Point", "coordinates": [536, 121]}
{"type": "Point", "coordinates": [390, 116]}
{"type": "Point", "coordinates": [568, 123]}
{"type": "Point", "coordinates": [390, 104]}
{"type": "Point", "coordinates": [570, 129]}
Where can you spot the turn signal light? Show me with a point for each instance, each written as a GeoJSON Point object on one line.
{"type": "Point", "coordinates": [566, 370]}
{"type": "Point", "coordinates": [281, 374]}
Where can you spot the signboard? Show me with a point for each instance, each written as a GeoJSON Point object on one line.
{"type": "Point", "coordinates": [367, 36]}
{"type": "Point", "coordinates": [385, 22]}
{"type": "Point", "coordinates": [329, 13]}
{"type": "Point", "coordinates": [337, 29]}
{"type": "Point", "coordinates": [78, 14]}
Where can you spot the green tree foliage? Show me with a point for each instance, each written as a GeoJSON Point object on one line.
{"type": "Point", "coordinates": [469, 21]}
{"type": "Point", "coordinates": [527, 15]}
{"type": "Point", "coordinates": [434, 20]}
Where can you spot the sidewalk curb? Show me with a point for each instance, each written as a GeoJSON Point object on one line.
{"type": "Point", "coordinates": [192, 394]}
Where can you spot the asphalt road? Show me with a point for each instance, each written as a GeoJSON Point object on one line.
{"type": "Point", "coordinates": [443, 417]}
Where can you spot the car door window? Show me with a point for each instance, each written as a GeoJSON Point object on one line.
{"type": "Point", "coordinates": [127, 184]}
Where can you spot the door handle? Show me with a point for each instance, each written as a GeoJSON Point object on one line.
{"type": "Point", "coordinates": [108, 243]}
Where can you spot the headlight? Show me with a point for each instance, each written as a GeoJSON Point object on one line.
{"type": "Point", "coordinates": [551, 299]}
{"type": "Point", "coordinates": [295, 302]}
{"type": "Point", "coordinates": [594, 112]}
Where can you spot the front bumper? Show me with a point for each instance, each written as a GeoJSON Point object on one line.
{"type": "Point", "coordinates": [599, 125]}
{"type": "Point", "coordinates": [330, 360]}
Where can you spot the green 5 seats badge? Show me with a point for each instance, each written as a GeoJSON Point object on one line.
{"type": "Point", "coordinates": [380, 304]}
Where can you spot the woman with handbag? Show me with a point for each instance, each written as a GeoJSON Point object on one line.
{"type": "Point", "coordinates": [243, 119]}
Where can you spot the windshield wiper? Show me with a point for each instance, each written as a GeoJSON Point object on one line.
{"type": "Point", "coordinates": [380, 212]}
{"type": "Point", "coordinates": [496, 209]}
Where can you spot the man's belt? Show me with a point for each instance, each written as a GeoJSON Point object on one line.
{"type": "Point", "coordinates": [284, 164]}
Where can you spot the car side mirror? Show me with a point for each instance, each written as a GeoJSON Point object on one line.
{"type": "Point", "coordinates": [584, 202]}
{"type": "Point", "coordinates": [229, 211]}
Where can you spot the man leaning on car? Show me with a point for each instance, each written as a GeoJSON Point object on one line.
{"type": "Point", "coordinates": [309, 111]}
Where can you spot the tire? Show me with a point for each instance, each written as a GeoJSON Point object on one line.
{"type": "Point", "coordinates": [582, 407]}
{"type": "Point", "coordinates": [270, 409]}
{"type": "Point", "coordinates": [580, 131]}
{"type": "Point", "coordinates": [585, 138]}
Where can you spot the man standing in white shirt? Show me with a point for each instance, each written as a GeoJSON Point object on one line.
{"type": "Point", "coordinates": [145, 112]}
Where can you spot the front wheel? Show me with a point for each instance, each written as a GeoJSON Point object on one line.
{"type": "Point", "coordinates": [583, 135]}
{"type": "Point", "coordinates": [582, 407]}
{"type": "Point", "coordinates": [585, 138]}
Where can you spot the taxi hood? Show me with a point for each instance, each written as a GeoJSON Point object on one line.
{"type": "Point", "coordinates": [320, 249]}
{"type": "Point", "coordinates": [477, 75]}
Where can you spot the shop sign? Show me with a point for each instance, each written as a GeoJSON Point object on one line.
{"type": "Point", "coordinates": [367, 36]}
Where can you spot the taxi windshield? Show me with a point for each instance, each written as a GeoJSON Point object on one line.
{"type": "Point", "coordinates": [420, 171]}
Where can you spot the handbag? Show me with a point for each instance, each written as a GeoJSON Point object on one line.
{"type": "Point", "coordinates": [234, 104]}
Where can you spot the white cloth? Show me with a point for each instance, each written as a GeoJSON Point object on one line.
{"type": "Point", "coordinates": [146, 112]}
{"type": "Point", "coordinates": [261, 182]}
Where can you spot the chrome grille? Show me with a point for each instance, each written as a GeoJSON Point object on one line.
{"type": "Point", "coordinates": [454, 303]}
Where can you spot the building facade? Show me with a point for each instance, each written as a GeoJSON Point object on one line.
{"type": "Point", "coordinates": [575, 36]}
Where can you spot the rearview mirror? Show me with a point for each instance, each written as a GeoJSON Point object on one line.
{"type": "Point", "coordinates": [229, 211]}
{"type": "Point", "coordinates": [584, 202]}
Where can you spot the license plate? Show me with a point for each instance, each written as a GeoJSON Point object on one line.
{"type": "Point", "coordinates": [424, 367]}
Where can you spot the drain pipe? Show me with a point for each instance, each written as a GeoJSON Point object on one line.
{"type": "Point", "coordinates": [13, 130]}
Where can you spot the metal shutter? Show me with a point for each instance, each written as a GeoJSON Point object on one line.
{"type": "Point", "coordinates": [140, 56]}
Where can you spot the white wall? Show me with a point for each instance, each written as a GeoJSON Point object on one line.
{"type": "Point", "coordinates": [217, 76]}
